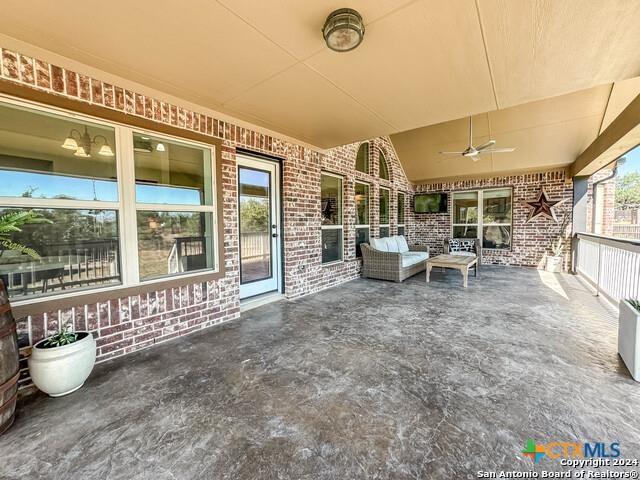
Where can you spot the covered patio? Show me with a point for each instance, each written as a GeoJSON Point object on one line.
{"type": "Point", "coordinates": [365, 380]}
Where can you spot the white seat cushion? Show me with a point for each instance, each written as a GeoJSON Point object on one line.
{"type": "Point", "coordinates": [392, 244]}
{"type": "Point", "coordinates": [403, 246]}
{"type": "Point", "coordinates": [411, 258]}
{"type": "Point", "coordinates": [378, 244]}
{"type": "Point", "coordinates": [462, 253]}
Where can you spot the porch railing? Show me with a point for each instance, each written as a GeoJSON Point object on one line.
{"type": "Point", "coordinates": [610, 265]}
{"type": "Point", "coordinates": [631, 231]}
{"type": "Point", "coordinates": [254, 245]}
{"type": "Point", "coordinates": [64, 265]}
{"type": "Point", "coordinates": [187, 253]}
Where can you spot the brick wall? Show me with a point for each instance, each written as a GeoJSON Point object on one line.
{"type": "Point", "coordinates": [126, 324]}
{"type": "Point", "coordinates": [123, 325]}
{"type": "Point", "coordinates": [530, 241]}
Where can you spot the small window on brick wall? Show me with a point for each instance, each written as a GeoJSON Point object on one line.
{"type": "Point", "coordinates": [384, 198]}
{"type": "Point", "coordinates": [362, 215]}
{"type": "Point", "coordinates": [401, 213]}
{"type": "Point", "coordinates": [383, 168]}
{"type": "Point", "coordinates": [362, 158]}
{"type": "Point", "coordinates": [332, 229]}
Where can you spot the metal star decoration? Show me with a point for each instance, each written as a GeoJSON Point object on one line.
{"type": "Point", "coordinates": [543, 206]}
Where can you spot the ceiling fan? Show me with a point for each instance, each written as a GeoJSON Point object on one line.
{"type": "Point", "coordinates": [475, 152]}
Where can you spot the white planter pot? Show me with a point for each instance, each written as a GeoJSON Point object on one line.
{"type": "Point", "coordinates": [554, 264]}
{"type": "Point", "coordinates": [61, 370]}
{"type": "Point", "coordinates": [629, 338]}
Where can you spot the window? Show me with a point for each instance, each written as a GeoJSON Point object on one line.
{"type": "Point", "coordinates": [362, 215]}
{"type": "Point", "coordinates": [331, 204]}
{"type": "Point", "coordinates": [400, 213]}
{"type": "Point", "coordinates": [174, 203]}
{"type": "Point", "coordinates": [383, 168]}
{"type": "Point", "coordinates": [96, 213]}
{"type": "Point", "coordinates": [484, 214]}
{"type": "Point", "coordinates": [384, 197]}
{"type": "Point", "coordinates": [362, 158]}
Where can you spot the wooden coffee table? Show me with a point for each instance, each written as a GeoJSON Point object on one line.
{"type": "Point", "coordinates": [459, 262]}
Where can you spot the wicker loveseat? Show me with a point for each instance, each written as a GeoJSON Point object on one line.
{"type": "Point", "coordinates": [391, 258]}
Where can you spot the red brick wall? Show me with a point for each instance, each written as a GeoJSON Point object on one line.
{"type": "Point", "coordinates": [531, 241]}
{"type": "Point", "coordinates": [127, 324]}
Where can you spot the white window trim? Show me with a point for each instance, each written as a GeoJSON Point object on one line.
{"type": "Point", "coordinates": [127, 223]}
{"type": "Point", "coordinates": [334, 227]}
{"type": "Point", "coordinates": [480, 224]}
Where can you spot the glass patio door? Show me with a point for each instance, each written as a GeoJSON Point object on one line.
{"type": "Point", "coordinates": [259, 226]}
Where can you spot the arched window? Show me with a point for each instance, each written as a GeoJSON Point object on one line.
{"type": "Point", "coordinates": [362, 158]}
{"type": "Point", "coordinates": [383, 169]}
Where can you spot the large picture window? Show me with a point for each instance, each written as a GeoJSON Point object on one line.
{"type": "Point", "coordinates": [383, 201]}
{"type": "Point", "coordinates": [484, 214]}
{"type": "Point", "coordinates": [331, 205]}
{"type": "Point", "coordinates": [362, 215]}
{"type": "Point", "coordinates": [87, 204]}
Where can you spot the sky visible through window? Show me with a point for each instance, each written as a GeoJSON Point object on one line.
{"type": "Point", "coordinates": [43, 185]}
{"type": "Point", "coordinates": [632, 162]}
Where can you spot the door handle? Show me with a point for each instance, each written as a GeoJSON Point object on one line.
{"type": "Point", "coordinates": [274, 235]}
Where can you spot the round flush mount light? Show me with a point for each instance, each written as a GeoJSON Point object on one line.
{"type": "Point", "coordinates": [343, 30]}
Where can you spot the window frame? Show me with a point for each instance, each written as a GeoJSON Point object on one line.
{"type": "Point", "coordinates": [480, 223]}
{"type": "Point", "coordinates": [132, 220]}
{"type": "Point", "coordinates": [404, 211]}
{"type": "Point", "coordinates": [340, 226]}
{"type": "Point", "coordinates": [358, 226]}
{"type": "Point", "coordinates": [388, 224]}
{"type": "Point", "coordinates": [366, 145]}
{"type": "Point", "coordinates": [382, 158]}
{"type": "Point", "coordinates": [125, 207]}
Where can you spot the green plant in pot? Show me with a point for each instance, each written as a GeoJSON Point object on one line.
{"type": "Point", "coordinates": [629, 335]}
{"type": "Point", "coordinates": [61, 363]}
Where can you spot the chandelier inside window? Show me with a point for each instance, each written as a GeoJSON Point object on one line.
{"type": "Point", "coordinates": [82, 143]}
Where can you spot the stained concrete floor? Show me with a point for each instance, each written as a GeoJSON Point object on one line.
{"type": "Point", "coordinates": [366, 380]}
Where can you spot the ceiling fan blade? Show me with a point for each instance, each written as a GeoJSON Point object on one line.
{"type": "Point", "coordinates": [486, 145]}
{"type": "Point", "coordinates": [451, 153]}
{"type": "Point", "coordinates": [498, 150]}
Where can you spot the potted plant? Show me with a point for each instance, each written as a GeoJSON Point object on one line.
{"type": "Point", "coordinates": [629, 335]}
{"type": "Point", "coordinates": [60, 364]}
{"type": "Point", "coordinates": [555, 261]}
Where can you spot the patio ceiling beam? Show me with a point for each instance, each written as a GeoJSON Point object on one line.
{"type": "Point", "coordinates": [619, 137]}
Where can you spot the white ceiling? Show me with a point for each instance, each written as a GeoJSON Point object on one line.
{"type": "Point", "coordinates": [422, 62]}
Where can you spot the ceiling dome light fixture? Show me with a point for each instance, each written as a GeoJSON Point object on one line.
{"type": "Point", "coordinates": [343, 30]}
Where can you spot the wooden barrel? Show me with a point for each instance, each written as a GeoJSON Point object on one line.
{"type": "Point", "coordinates": [9, 371]}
